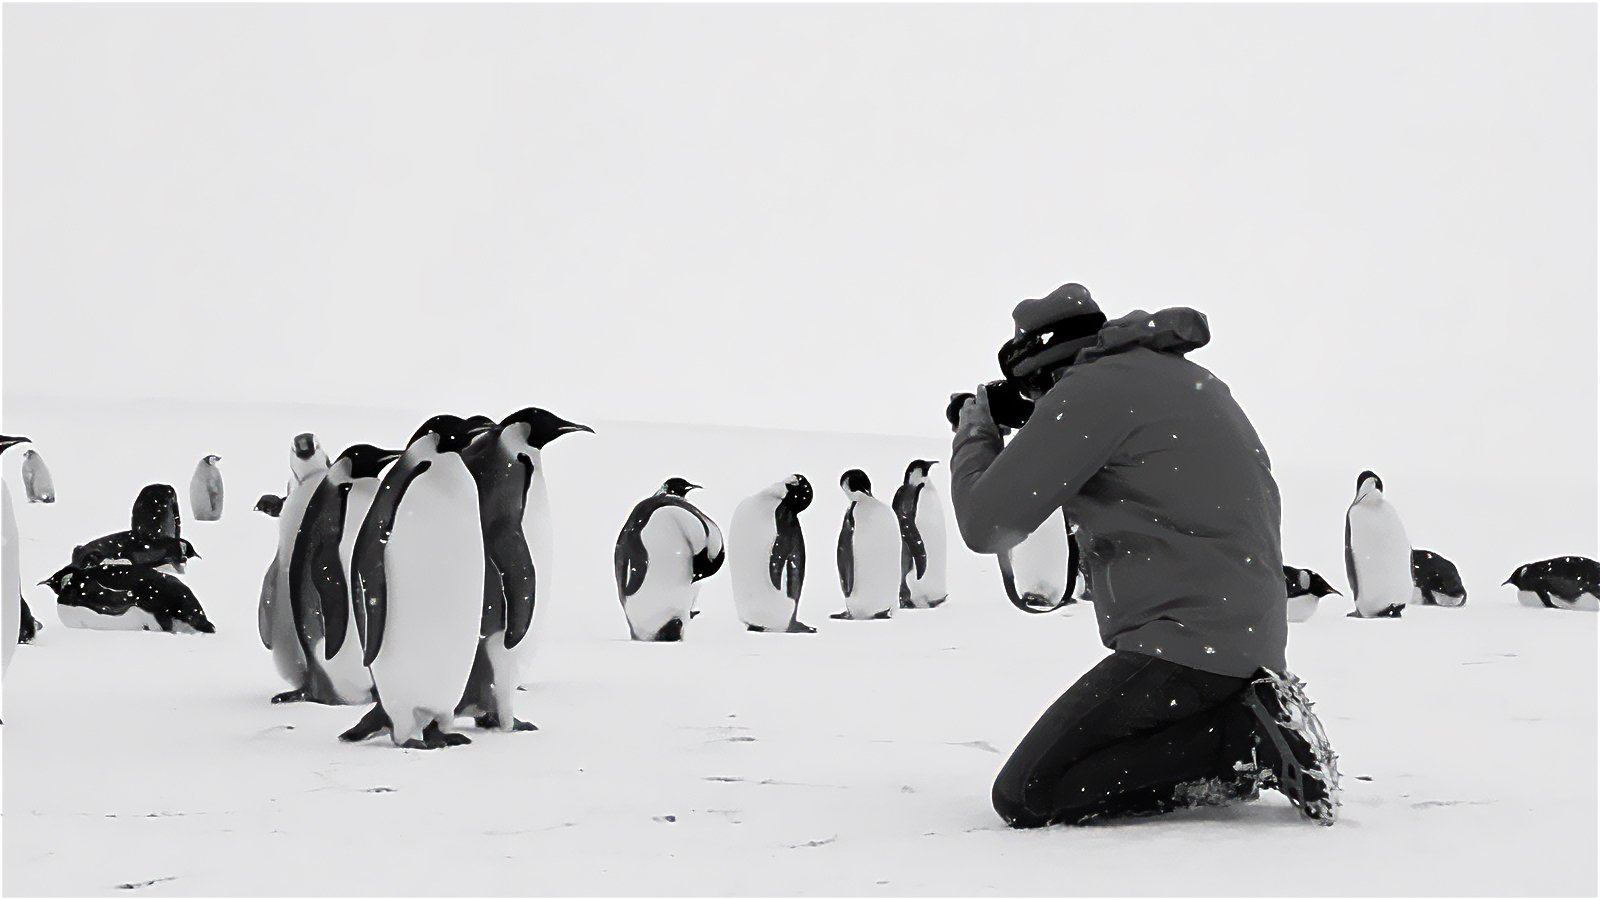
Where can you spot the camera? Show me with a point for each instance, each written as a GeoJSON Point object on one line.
{"type": "Point", "coordinates": [1009, 406]}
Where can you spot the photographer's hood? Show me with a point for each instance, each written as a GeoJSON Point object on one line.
{"type": "Point", "coordinates": [1176, 330]}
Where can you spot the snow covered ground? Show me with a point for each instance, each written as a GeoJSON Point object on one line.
{"type": "Point", "coordinates": [855, 761]}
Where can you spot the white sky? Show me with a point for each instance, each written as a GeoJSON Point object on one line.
{"type": "Point", "coordinates": [816, 217]}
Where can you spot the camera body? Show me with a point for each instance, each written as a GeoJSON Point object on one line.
{"type": "Point", "coordinates": [1009, 406]}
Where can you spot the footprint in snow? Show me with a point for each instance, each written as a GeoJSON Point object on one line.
{"type": "Point", "coordinates": [985, 746]}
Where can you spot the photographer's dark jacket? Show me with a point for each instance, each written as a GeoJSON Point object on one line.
{"type": "Point", "coordinates": [1171, 490]}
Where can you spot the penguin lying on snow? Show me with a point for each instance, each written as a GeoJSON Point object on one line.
{"type": "Point", "coordinates": [869, 552]}
{"type": "Point", "coordinates": [1437, 581]}
{"type": "Point", "coordinates": [271, 504]}
{"type": "Point", "coordinates": [1563, 582]}
{"type": "Point", "coordinates": [36, 481]}
{"type": "Point", "coordinates": [666, 548]}
{"type": "Point", "coordinates": [140, 550]}
{"type": "Point", "coordinates": [1305, 588]}
{"type": "Point", "coordinates": [124, 597]}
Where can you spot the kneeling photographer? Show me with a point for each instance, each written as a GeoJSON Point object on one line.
{"type": "Point", "coordinates": [1178, 519]}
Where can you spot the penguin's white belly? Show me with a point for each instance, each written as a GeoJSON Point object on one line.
{"type": "Point", "coordinates": [349, 677]}
{"type": "Point", "coordinates": [875, 548]}
{"type": "Point", "coordinates": [1381, 554]}
{"type": "Point", "coordinates": [1039, 563]}
{"type": "Point", "coordinates": [434, 605]}
{"type": "Point", "coordinates": [1583, 603]}
{"type": "Point", "coordinates": [930, 588]}
{"type": "Point", "coordinates": [288, 656]}
{"type": "Point", "coordinates": [10, 579]}
{"type": "Point", "coordinates": [669, 589]}
{"type": "Point", "coordinates": [135, 619]}
{"type": "Point", "coordinates": [1449, 601]}
{"type": "Point", "coordinates": [1302, 608]}
{"type": "Point", "coordinates": [1529, 598]}
{"type": "Point", "coordinates": [538, 528]}
{"type": "Point", "coordinates": [750, 540]}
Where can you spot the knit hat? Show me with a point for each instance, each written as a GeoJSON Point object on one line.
{"type": "Point", "coordinates": [1051, 331]}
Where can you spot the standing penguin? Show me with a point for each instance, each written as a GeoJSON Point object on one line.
{"type": "Point", "coordinates": [155, 512]}
{"type": "Point", "coordinates": [666, 548]}
{"type": "Point", "coordinates": [320, 570]}
{"type": "Point", "coordinates": [1436, 579]}
{"type": "Point", "coordinates": [922, 557]}
{"type": "Point", "coordinates": [419, 579]}
{"type": "Point", "coordinates": [276, 613]}
{"type": "Point", "coordinates": [10, 566]}
{"type": "Point", "coordinates": [768, 551]}
{"type": "Point", "coordinates": [307, 458]}
{"type": "Point", "coordinates": [36, 480]}
{"type": "Point", "coordinates": [205, 490]}
{"type": "Point", "coordinates": [1377, 553]}
{"type": "Point", "coordinates": [1305, 588]}
{"type": "Point", "coordinates": [869, 552]}
{"type": "Point", "coordinates": [1038, 572]}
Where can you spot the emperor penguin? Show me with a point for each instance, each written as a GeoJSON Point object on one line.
{"type": "Point", "coordinates": [155, 551]}
{"type": "Point", "coordinates": [276, 613]}
{"type": "Point", "coordinates": [869, 552]}
{"type": "Point", "coordinates": [507, 463]}
{"type": "Point", "coordinates": [1377, 553]}
{"type": "Point", "coordinates": [111, 596]}
{"type": "Point", "coordinates": [419, 564]}
{"type": "Point", "coordinates": [768, 551]}
{"type": "Point", "coordinates": [1304, 588]}
{"type": "Point", "coordinates": [36, 480]}
{"type": "Point", "coordinates": [922, 557]}
{"type": "Point", "coordinates": [205, 490]}
{"type": "Point", "coordinates": [10, 566]}
{"type": "Point", "coordinates": [1436, 580]}
{"type": "Point", "coordinates": [271, 504]}
{"type": "Point", "coordinates": [307, 458]}
{"type": "Point", "coordinates": [1562, 582]}
{"type": "Point", "coordinates": [320, 571]}
{"type": "Point", "coordinates": [666, 548]}
{"type": "Point", "coordinates": [1037, 572]}
{"type": "Point", "coordinates": [155, 512]}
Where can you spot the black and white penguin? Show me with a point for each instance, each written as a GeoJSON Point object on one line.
{"type": "Point", "coordinates": [36, 480]}
{"type": "Point", "coordinates": [155, 551]}
{"type": "Point", "coordinates": [205, 489]}
{"type": "Point", "coordinates": [10, 565]}
{"type": "Point", "coordinates": [768, 557]}
{"type": "Point", "coordinates": [1377, 553]}
{"type": "Point", "coordinates": [1038, 572]}
{"type": "Point", "coordinates": [1305, 588]}
{"type": "Point", "coordinates": [123, 597]}
{"type": "Point", "coordinates": [155, 512]}
{"type": "Point", "coordinates": [666, 548]}
{"type": "Point", "coordinates": [869, 552]}
{"type": "Point", "coordinates": [1562, 582]}
{"type": "Point", "coordinates": [30, 626]}
{"type": "Point", "coordinates": [320, 572]}
{"type": "Point", "coordinates": [420, 569]}
{"type": "Point", "coordinates": [276, 618]}
{"type": "Point", "coordinates": [922, 535]}
{"type": "Point", "coordinates": [271, 504]}
{"type": "Point", "coordinates": [1435, 580]}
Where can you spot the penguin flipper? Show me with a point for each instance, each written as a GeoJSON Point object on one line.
{"type": "Point", "coordinates": [905, 508]}
{"type": "Point", "coordinates": [314, 565]}
{"type": "Point", "coordinates": [264, 608]}
{"type": "Point", "coordinates": [708, 562]}
{"type": "Point", "coordinates": [367, 559]}
{"type": "Point", "coordinates": [1350, 565]}
{"type": "Point", "coordinates": [513, 564]}
{"type": "Point", "coordinates": [632, 559]}
{"type": "Point", "coordinates": [846, 553]}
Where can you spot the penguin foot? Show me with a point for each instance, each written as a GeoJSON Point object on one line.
{"type": "Point", "coordinates": [374, 721]}
{"type": "Point", "coordinates": [841, 615]}
{"type": "Point", "coordinates": [295, 696]}
{"type": "Point", "coordinates": [933, 604]}
{"type": "Point", "coordinates": [756, 628]}
{"type": "Point", "coordinates": [438, 737]}
{"type": "Point", "coordinates": [801, 628]}
{"type": "Point", "coordinates": [491, 722]}
{"type": "Point", "coordinates": [905, 603]}
{"type": "Point", "coordinates": [883, 615]}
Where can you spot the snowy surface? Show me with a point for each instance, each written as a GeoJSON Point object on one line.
{"type": "Point", "coordinates": [856, 761]}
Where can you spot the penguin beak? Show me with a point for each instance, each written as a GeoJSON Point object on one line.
{"type": "Point", "coordinates": [570, 427]}
{"type": "Point", "coordinates": [389, 456]}
{"type": "Point", "coordinates": [1506, 582]}
{"type": "Point", "coordinates": [694, 487]}
{"type": "Point", "coordinates": [9, 442]}
{"type": "Point", "coordinates": [480, 428]}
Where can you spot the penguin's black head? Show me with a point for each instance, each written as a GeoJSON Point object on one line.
{"type": "Point", "coordinates": [271, 504]}
{"type": "Point", "coordinates": [543, 426]}
{"type": "Point", "coordinates": [62, 579]}
{"type": "Point", "coordinates": [1364, 477]}
{"type": "Point", "coordinates": [798, 495]}
{"type": "Point", "coordinates": [305, 445]}
{"type": "Point", "coordinates": [855, 481]}
{"type": "Point", "coordinates": [212, 459]}
{"type": "Point", "coordinates": [7, 442]}
{"type": "Point", "coordinates": [366, 461]}
{"type": "Point", "coordinates": [919, 467]}
{"type": "Point", "coordinates": [454, 433]}
{"type": "Point", "coordinates": [1517, 578]}
{"type": "Point", "coordinates": [678, 487]}
{"type": "Point", "coordinates": [1320, 585]}
{"type": "Point", "coordinates": [187, 549]}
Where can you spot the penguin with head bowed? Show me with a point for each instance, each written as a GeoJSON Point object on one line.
{"type": "Point", "coordinates": [205, 489]}
{"type": "Point", "coordinates": [154, 551]}
{"type": "Point", "coordinates": [768, 557]}
{"type": "Point", "coordinates": [10, 565]}
{"type": "Point", "coordinates": [419, 576]}
{"type": "Point", "coordinates": [1561, 582]}
{"type": "Point", "coordinates": [1377, 553]}
{"type": "Point", "coordinates": [36, 480]}
{"type": "Point", "coordinates": [117, 596]}
{"type": "Point", "coordinates": [666, 548]}
{"type": "Point", "coordinates": [155, 512]}
{"type": "Point", "coordinates": [507, 464]}
{"type": "Point", "coordinates": [1304, 588]}
{"type": "Point", "coordinates": [281, 629]}
{"type": "Point", "coordinates": [271, 504]}
{"type": "Point", "coordinates": [319, 573]}
{"type": "Point", "coordinates": [869, 552]}
{"type": "Point", "coordinates": [1436, 580]}
{"type": "Point", "coordinates": [922, 557]}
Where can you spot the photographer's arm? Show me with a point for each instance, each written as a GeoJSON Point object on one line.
{"type": "Point", "coordinates": [1003, 493]}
